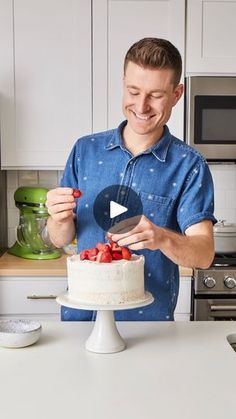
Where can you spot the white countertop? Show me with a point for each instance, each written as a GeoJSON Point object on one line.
{"type": "Point", "coordinates": [170, 370]}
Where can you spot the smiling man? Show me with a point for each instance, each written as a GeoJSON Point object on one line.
{"type": "Point", "coordinates": [171, 178]}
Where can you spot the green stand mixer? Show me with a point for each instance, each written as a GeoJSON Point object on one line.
{"type": "Point", "coordinates": [33, 218]}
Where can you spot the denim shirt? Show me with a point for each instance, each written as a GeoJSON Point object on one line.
{"type": "Point", "coordinates": [176, 190]}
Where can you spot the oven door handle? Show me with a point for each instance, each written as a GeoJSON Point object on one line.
{"type": "Point", "coordinates": [223, 308]}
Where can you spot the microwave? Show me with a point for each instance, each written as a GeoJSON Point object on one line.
{"type": "Point", "coordinates": [210, 116]}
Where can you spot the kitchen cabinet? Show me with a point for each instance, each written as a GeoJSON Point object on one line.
{"type": "Point", "coordinates": [61, 71]}
{"type": "Point", "coordinates": [210, 37]}
{"type": "Point", "coordinates": [117, 24]}
{"type": "Point", "coordinates": [32, 297]}
{"type": "Point", "coordinates": [45, 80]}
{"type": "Point", "coordinates": [183, 307]}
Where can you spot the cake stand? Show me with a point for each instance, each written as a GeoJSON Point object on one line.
{"type": "Point", "coordinates": [105, 337]}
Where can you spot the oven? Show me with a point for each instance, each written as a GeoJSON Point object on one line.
{"type": "Point", "coordinates": [214, 290]}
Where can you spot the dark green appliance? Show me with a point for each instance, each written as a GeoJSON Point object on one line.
{"type": "Point", "coordinates": [33, 218]}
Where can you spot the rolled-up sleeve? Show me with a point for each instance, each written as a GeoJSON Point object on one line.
{"type": "Point", "coordinates": [197, 201]}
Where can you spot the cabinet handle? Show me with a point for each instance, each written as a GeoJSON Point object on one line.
{"type": "Point", "coordinates": [223, 308]}
{"type": "Point", "coordinates": [41, 297]}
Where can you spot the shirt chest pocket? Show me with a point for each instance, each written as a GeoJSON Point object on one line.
{"type": "Point", "coordinates": [156, 208]}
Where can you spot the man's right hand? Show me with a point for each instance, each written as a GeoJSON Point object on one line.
{"type": "Point", "coordinates": [60, 204]}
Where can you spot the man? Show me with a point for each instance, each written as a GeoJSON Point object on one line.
{"type": "Point", "coordinates": [172, 179]}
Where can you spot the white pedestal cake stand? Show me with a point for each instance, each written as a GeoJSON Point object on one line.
{"type": "Point", "coordinates": [105, 337]}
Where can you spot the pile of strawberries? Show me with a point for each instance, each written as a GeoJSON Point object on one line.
{"type": "Point", "coordinates": [106, 253]}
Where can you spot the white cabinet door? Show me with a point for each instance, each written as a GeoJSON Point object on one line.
{"type": "Point", "coordinates": [183, 307]}
{"type": "Point", "coordinates": [45, 80]}
{"type": "Point", "coordinates": [117, 24]}
{"type": "Point", "coordinates": [211, 35]}
{"type": "Point", "coordinates": [34, 296]}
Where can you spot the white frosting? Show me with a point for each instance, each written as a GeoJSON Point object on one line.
{"type": "Point", "coordinates": [105, 283]}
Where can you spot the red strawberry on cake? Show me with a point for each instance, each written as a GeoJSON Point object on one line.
{"type": "Point", "coordinates": [106, 253]}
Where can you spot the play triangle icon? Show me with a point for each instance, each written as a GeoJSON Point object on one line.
{"type": "Point", "coordinates": [116, 209]}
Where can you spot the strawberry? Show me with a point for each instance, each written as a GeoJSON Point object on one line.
{"type": "Point", "coordinates": [117, 256]}
{"type": "Point", "coordinates": [99, 255]}
{"type": "Point", "coordinates": [92, 253]}
{"type": "Point", "coordinates": [126, 254]}
{"type": "Point", "coordinates": [76, 193]}
{"type": "Point", "coordinates": [105, 247]}
{"type": "Point", "coordinates": [115, 247]}
{"type": "Point", "coordinates": [84, 254]}
{"type": "Point", "coordinates": [104, 257]}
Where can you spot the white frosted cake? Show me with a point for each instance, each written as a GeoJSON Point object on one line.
{"type": "Point", "coordinates": [118, 282]}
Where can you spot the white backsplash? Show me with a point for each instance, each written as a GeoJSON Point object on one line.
{"type": "Point", "coordinates": [224, 177]}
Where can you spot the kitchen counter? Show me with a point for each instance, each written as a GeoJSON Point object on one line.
{"type": "Point", "coordinates": [15, 266]}
{"type": "Point", "coordinates": [168, 371]}
{"type": "Point", "coordinates": [11, 265]}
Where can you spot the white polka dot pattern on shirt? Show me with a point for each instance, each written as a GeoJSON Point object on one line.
{"type": "Point", "coordinates": [174, 184]}
{"type": "Point", "coordinates": [100, 162]}
{"type": "Point", "coordinates": [85, 178]}
{"type": "Point", "coordinates": [151, 170]}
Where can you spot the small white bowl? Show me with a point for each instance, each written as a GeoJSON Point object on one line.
{"type": "Point", "coordinates": [19, 333]}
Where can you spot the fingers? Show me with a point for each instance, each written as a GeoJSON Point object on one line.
{"type": "Point", "coordinates": [143, 236]}
{"type": "Point", "coordinates": [127, 228]}
{"type": "Point", "coordinates": [60, 203]}
{"type": "Point", "coordinates": [133, 239]}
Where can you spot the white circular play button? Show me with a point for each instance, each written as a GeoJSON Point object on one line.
{"type": "Point", "coordinates": [117, 208]}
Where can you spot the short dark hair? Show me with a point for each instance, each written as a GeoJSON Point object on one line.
{"type": "Point", "coordinates": [155, 53]}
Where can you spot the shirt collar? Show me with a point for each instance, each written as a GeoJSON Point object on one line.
{"type": "Point", "coordinates": [159, 150]}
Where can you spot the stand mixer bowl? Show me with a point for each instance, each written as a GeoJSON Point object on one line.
{"type": "Point", "coordinates": [33, 219]}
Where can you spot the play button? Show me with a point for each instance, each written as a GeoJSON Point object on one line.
{"type": "Point", "coordinates": [117, 208]}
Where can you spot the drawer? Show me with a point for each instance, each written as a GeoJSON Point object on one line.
{"type": "Point", "coordinates": [30, 295]}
